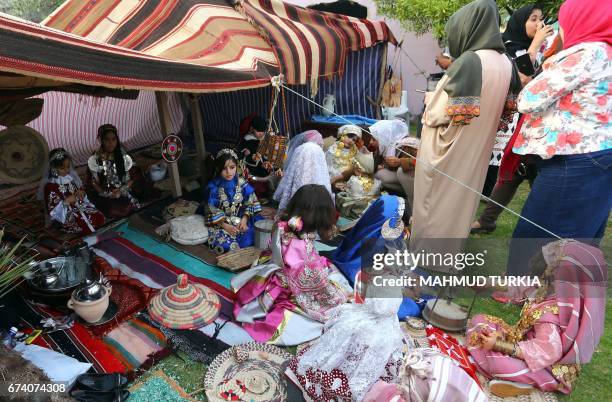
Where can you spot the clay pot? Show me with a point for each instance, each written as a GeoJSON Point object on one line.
{"type": "Point", "coordinates": [90, 311]}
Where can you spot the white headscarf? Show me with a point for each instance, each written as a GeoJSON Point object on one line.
{"type": "Point", "coordinates": [307, 167]}
{"type": "Point", "coordinates": [387, 133]}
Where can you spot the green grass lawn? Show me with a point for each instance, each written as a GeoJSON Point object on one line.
{"type": "Point", "coordinates": [594, 384]}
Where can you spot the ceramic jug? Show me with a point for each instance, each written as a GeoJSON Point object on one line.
{"type": "Point", "coordinates": [329, 104]}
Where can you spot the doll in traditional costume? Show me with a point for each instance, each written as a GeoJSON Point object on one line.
{"type": "Point", "coordinates": [231, 206]}
{"type": "Point", "coordinates": [559, 328]}
{"type": "Point", "coordinates": [109, 180]}
{"type": "Point", "coordinates": [360, 187]}
{"type": "Point", "coordinates": [65, 200]}
{"type": "Point", "coordinates": [252, 131]}
{"type": "Point", "coordinates": [339, 156]}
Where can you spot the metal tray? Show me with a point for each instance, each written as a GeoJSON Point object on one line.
{"type": "Point", "coordinates": [71, 272]}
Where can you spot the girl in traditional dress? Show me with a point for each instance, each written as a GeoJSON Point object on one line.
{"type": "Point", "coordinates": [287, 300]}
{"type": "Point", "coordinates": [307, 166]}
{"type": "Point", "coordinates": [110, 184]}
{"type": "Point", "coordinates": [65, 199]}
{"type": "Point", "coordinates": [231, 206]}
{"type": "Point", "coordinates": [362, 342]}
{"type": "Point", "coordinates": [558, 330]}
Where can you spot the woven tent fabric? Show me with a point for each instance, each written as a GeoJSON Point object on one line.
{"type": "Point", "coordinates": [261, 38]}
{"type": "Point", "coordinates": [34, 50]}
{"type": "Point", "coordinates": [310, 43]}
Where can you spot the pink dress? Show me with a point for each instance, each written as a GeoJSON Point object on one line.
{"type": "Point", "coordinates": [555, 335]}
{"type": "Point", "coordinates": [297, 281]}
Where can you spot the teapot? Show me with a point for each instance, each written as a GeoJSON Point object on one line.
{"type": "Point", "coordinates": [329, 104]}
{"type": "Point", "coordinates": [90, 300]}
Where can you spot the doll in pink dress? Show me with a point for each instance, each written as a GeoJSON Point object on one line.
{"type": "Point", "coordinates": [559, 327]}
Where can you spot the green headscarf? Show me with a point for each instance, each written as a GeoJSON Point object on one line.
{"type": "Point", "coordinates": [473, 27]}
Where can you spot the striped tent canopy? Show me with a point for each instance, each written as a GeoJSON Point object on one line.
{"type": "Point", "coordinates": [237, 44]}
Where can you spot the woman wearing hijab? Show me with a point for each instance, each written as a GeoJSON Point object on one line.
{"type": "Point", "coordinates": [386, 137]}
{"type": "Point", "coordinates": [302, 138]}
{"type": "Point", "coordinates": [459, 125]}
{"type": "Point", "coordinates": [525, 33]}
{"type": "Point", "coordinates": [307, 166]}
{"type": "Point", "coordinates": [569, 129]}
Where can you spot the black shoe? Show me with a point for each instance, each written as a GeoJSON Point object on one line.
{"type": "Point", "coordinates": [119, 395]}
{"type": "Point", "coordinates": [100, 382]}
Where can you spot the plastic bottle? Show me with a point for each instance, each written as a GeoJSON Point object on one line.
{"type": "Point", "coordinates": [9, 339]}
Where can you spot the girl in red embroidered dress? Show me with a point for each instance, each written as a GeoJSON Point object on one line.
{"type": "Point", "coordinates": [65, 200]}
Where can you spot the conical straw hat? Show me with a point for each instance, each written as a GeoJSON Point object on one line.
{"type": "Point", "coordinates": [185, 305]}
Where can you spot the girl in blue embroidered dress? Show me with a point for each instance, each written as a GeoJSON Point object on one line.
{"type": "Point", "coordinates": [231, 206]}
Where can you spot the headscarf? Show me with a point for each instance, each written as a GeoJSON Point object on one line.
{"type": "Point", "coordinates": [295, 142]}
{"type": "Point", "coordinates": [473, 27]}
{"type": "Point", "coordinates": [349, 129]}
{"type": "Point", "coordinates": [388, 133]}
{"type": "Point", "coordinates": [348, 256]}
{"type": "Point", "coordinates": [515, 36]}
{"type": "Point", "coordinates": [585, 21]}
{"type": "Point", "coordinates": [580, 276]}
{"type": "Point", "coordinates": [307, 166]}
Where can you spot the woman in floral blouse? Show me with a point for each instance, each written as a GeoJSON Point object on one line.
{"type": "Point", "coordinates": [568, 126]}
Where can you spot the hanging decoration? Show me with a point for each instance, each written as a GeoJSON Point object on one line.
{"type": "Point", "coordinates": [172, 148]}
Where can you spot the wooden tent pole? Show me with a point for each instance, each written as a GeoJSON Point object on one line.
{"type": "Point", "coordinates": [383, 75]}
{"type": "Point", "coordinates": [198, 130]}
{"type": "Point", "coordinates": [164, 120]}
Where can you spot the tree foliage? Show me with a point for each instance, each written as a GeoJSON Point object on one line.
{"type": "Point", "coordinates": [421, 16]}
{"type": "Point", "coordinates": [31, 10]}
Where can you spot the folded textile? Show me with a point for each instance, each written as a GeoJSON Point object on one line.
{"type": "Point", "coordinates": [76, 342]}
{"type": "Point", "coordinates": [57, 366]}
{"type": "Point", "coordinates": [135, 342]}
{"type": "Point", "coordinates": [194, 343]}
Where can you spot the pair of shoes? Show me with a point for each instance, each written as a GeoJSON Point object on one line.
{"type": "Point", "coordinates": [100, 388]}
{"type": "Point", "coordinates": [481, 229]}
{"type": "Point", "coordinates": [509, 389]}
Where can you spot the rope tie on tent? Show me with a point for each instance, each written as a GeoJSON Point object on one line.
{"type": "Point", "coordinates": [435, 169]}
